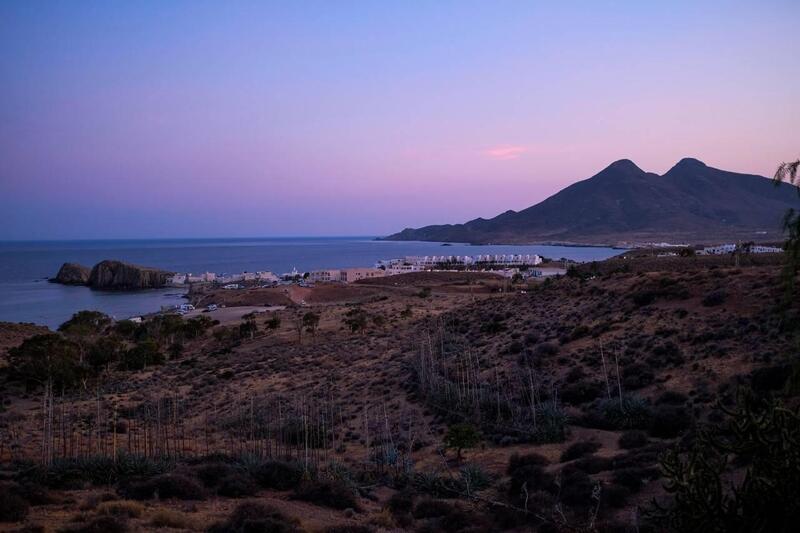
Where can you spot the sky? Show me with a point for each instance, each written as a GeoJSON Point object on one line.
{"type": "Point", "coordinates": [154, 119]}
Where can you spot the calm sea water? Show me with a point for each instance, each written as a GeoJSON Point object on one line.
{"type": "Point", "coordinates": [26, 296]}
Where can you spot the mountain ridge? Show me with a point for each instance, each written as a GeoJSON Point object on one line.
{"type": "Point", "coordinates": [623, 204]}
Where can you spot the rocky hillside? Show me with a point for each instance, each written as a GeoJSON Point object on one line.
{"type": "Point", "coordinates": [691, 202]}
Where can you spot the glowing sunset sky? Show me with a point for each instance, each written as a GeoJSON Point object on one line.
{"type": "Point", "coordinates": [201, 119]}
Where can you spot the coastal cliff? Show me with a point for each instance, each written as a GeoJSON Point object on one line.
{"type": "Point", "coordinates": [72, 274]}
{"type": "Point", "coordinates": [124, 276]}
{"type": "Point", "coordinates": [112, 275]}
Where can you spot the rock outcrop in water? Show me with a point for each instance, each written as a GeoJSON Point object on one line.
{"type": "Point", "coordinates": [112, 275]}
{"type": "Point", "coordinates": [124, 276]}
{"type": "Point", "coordinates": [72, 274]}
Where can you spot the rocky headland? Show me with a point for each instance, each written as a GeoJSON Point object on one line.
{"type": "Point", "coordinates": [112, 275]}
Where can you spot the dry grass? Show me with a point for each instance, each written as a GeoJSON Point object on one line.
{"type": "Point", "coordinates": [126, 508]}
{"type": "Point", "coordinates": [171, 518]}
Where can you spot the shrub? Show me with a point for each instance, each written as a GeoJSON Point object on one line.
{"type": "Point", "coordinates": [592, 464]}
{"type": "Point", "coordinates": [527, 471]}
{"type": "Point", "coordinates": [210, 474]}
{"type": "Point", "coordinates": [545, 349]}
{"type": "Point", "coordinates": [237, 485]}
{"type": "Point", "coordinates": [576, 488]}
{"type": "Point", "coordinates": [167, 486]}
{"type": "Point", "coordinates": [13, 508]}
{"type": "Point", "coordinates": [326, 493]}
{"type": "Point", "coordinates": [475, 477]}
{"type": "Point", "coordinates": [633, 478]}
{"type": "Point", "coordinates": [437, 485]}
{"type": "Point", "coordinates": [714, 298]}
{"type": "Point", "coordinates": [643, 297]}
{"type": "Point", "coordinates": [672, 398]}
{"type": "Point", "coordinates": [517, 461]}
{"type": "Point", "coordinates": [254, 516]}
{"type": "Point", "coordinates": [770, 378]}
{"type": "Point", "coordinates": [632, 439]}
{"type": "Point", "coordinates": [633, 413]}
{"type": "Point", "coordinates": [579, 449]}
{"type": "Point", "coordinates": [278, 475]}
{"type": "Point", "coordinates": [614, 495]}
{"type": "Point", "coordinates": [636, 376]}
{"type": "Point", "coordinates": [581, 392]}
{"type": "Point", "coordinates": [669, 421]}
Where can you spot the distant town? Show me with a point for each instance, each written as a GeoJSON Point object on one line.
{"type": "Point", "coordinates": [507, 265]}
{"type": "Point", "coordinates": [503, 264]}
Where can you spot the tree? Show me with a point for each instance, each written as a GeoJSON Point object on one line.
{"type": "Point", "coordinates": [85, 323]}
{"type": "Point", "coordinates": [83, 327]}
{"type": "Point", "coordinates": [461, 437]}
{"type": "Point", "coordinates": [273, 323]}
{"type": "Point", "coordinates": [103, 352]}
{"type": "Point", "coordinates": [196, 327]}
{"type": "Point", "coordinates": [144, 354]}
{"type": "Point", "coordinates": [356, 319]}
{"type": "Point", "coordinates": [47, 358]}
{"type": "Point", "coordinates": [297, 322]}
{"type": "Point", "coordinates": [311, 322]}
{"type": "Point", "coordinates": [787, 173]}
{"type": "Point", "coordinates": [248, 326]}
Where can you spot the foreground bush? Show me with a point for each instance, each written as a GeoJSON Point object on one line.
{"type": "Point", "coordinates": [13, 508]}
{"type": "Point", "coordinates": [327, 494]}
{"type": "Point", "coordinates": [166, 486]}
{"type": "Point", "coordinates": [277, 475]}
{"type": "Point", "coordinates": [764, 438]}
{"type": "Point", "coordinates": [254, 516]}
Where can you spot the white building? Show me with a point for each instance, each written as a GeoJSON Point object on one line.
{"type": "Point", "coordinates": [176, 279]}
{"type": "Point", "coordinates": [349, 275]}
{"type": "Point", "coordinates": [266, 275]}
{"type": "Point", "coordinates": [757, 249]}
{"type": "Point", "coordinates": [325, 276]}
{"type": "Point", "coordinates": [723, 249]}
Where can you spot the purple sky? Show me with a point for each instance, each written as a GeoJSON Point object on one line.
{"type": "Point", "coordinates": [201, 119]}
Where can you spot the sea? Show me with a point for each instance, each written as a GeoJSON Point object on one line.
{"type": "Point", "coordinates": [27, 296]}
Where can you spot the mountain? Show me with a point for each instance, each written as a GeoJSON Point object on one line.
{"type": "Point", "coordinates": [623, 204]}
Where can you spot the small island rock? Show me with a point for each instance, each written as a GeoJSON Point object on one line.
{"type": "Point", "coordinates": [72, 274]}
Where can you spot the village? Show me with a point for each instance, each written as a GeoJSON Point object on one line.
{"type": "Point", "coordinates": [506, 265]}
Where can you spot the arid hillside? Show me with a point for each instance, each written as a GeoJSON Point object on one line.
{"type": "Point", "coordinates": [421, 402]}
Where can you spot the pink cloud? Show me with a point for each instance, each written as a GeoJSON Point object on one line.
{"type": "Point", "coordinates": [505, 152]}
